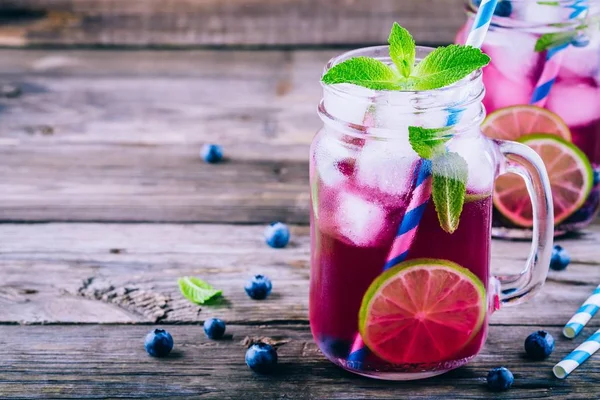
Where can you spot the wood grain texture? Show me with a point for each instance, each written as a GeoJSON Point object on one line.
{"type": "Point", "coordinates": [93, 362]}
{"type": "Point", "coordinates": [116, 135]}
{"type": "Point", "coordinates": [126, 273]}
{"type": "Point", "coordinates": [183, 23]}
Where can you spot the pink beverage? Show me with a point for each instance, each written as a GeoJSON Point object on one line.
{"type": "Point", "coordinates": [427, 313]}
{"type": "Point", "coordinates": [517, 69]}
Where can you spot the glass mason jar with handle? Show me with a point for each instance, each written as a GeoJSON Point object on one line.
{"type": "Point", "coordinates": [543, 89]}
{"type": "Point", "coordinates": [395, 295]}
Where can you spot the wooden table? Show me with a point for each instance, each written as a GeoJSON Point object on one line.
{"type": "Point", "coordinates": [105, 203]}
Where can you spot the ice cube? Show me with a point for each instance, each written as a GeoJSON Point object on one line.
{"type": "Point", "coordinates": [581, 62]}
{"type": "Point", "coordinates": [360, 221]}
{"type": "Point", "coordinates": [535, 13]}
{"type": "Point", "coordinates": [481, 166]}
{"type": "Point", "coordinates": [503, 92]}
{"type": "Point", "coordinates": [513, 53]}
{"type": "Point", "coordinates": [576, 103]}
{"type": "Point", "coordinates": [387, 166]}
{"type": "Point", "coordinates": [331, 155]}
{"type": "Point", "coordinates": [349, 109]}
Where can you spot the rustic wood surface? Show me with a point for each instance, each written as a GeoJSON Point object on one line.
{"type": "Point", "coordinates": [184, 23]}
{"type": "Point", "coordinates": [101, 197]}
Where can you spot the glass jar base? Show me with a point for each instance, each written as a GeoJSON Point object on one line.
{"type": "Point", "coordinates": [398, 373]}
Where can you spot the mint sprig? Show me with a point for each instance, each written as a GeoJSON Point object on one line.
{"type": "Point", "coordinates": [196, 290]}
{"type": "Point", "coordinates": [442, 67]}
{"type": "Point", "coordinates": [449, 188]}
{"type": "Point", "coordinates": [403, 50]}
{"type": "Point", "coordinates": [363, 71]}
{"type": "Point", "coordinates": [449, 170]}
{"type": "Point", "coordinates": [447, 65]}
{"type": "Point", "coordinates": [550, 40]}
{"type": "Point", "coordinates": [428, 142]}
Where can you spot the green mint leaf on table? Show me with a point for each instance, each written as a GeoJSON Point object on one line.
{"type": "Point", "coordinates": [428, 142]}
{"type": "Point", "coordinates": [447, 65]}
{"type": "Point", "coordinates": [196, 290]}
{"type": "Point", "coordinates": [363, 71]}
{"type": "Point", "coordinates": [403, 50]}
{"type": "Point", "coordinates": [442, 67]}
{"type": "Point", "coordinates": [449, 188]}
{"type": "Point", "coordinates": [550, 40]}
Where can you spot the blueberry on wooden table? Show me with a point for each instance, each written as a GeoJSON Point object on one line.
{"type": "Point", "coordinates": [158, 343]}
{"type": "Point", "coordinates": [212, 153]}
{"type": "Point", "coordinates": [261, 358]}
{"type": "Point", "coordinates": [560, 258]}
{"type": "Point", "coordinates": [539, 345]}
{"type": "Point", "coordinates": [214, 328]}
{"type": "Point", "coordinates": [258, 287]}
{"type": "Point", "coordinates": [500, 379]}
{"type": "Point", "coordinates": [277, 235]}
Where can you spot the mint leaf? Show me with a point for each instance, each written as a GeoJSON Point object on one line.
{"type": "Point", "coordinates": [403, 49]}
{"type": "Point", "coordinates": [447, 65]}
{"type": "Point", "coordinates": [196, 290]}
{"type": "Point", "coordinates": [449, 187]}
{"type": "Point", "coordinates": [428, 142]}
{"type": "Point", "coordinates": [550, 40]}
{"type": "Point", "coordinates": [363, 71]}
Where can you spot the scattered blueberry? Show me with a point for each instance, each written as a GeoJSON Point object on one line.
{"type": "Point", "coordinates": [214, 328]}
{"type": "Point", "coordinates": [261, 358]}
{"type": "Point", "coordinates": [581, 40]}
{"type": "Point", "coordinates": [503, 9]}
{"type": "Point", "coordinates": [277, 235]}
{"type": "Point", "coordinates": [499, 379]}
{"type": "Point", "coordinates": [596, 177]}
{"type": "Point", "coordinates": [560, 258]}
{"type": "Point", "coordinates": [158, 343]}
{"type": "Point", "coordinates": [212, 153]}
{"type": "Point", "coordinates": [258, 287]}
{"type": "Point", "coordinates": [539, 345]}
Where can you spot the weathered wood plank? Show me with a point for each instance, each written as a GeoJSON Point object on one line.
{"type": "Point", "coordinates": [116, 135]}
{"type": "Point", "coordinates": [89, 362]}
{"type": "Point", "coordinates": [222, 22]}
{"type": "Point", "coordinates": [126, 273]}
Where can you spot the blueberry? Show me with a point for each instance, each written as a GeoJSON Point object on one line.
{"type": "Point", "coordinates": [499, 379]}
{"type": "Point", "coordinates": [258, 287]}
{"type": "Point", "coordinates": [158, 343]}
{"type": "Point", "coordinates": [596, 177]}
{"type": "Point", "coordinates": [277, 235]}
{"type": "Point", "coordinates": [539, 345]}
{"type": "Point", "coordinates": [560, 258]}
{"type": "Point", "coordinates": [580, 40]}
{"type": "Point", "coordinates": [335, 347]}
{"type": "Point", "coordinates": [214, 328]}
{"type": "Point", "coordinates": [503, 8]}
{"type": "Point", "coordinates": [212, 153]}
{"type": "Point", "coordinates": [261, 358]}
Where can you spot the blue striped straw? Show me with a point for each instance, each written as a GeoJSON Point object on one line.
{"type": "Point", "coordinates": [482, 23]}
{"type": "Point", "coordinates": [577, 356]}
{"type": "Point", "coordinates": [553, 62]}
{"type": "Point", "coordinates": [587, 310]}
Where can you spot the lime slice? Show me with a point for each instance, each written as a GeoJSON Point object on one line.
{"type": "Point", "coordinates": [512, 123]}
{"type": "Point", "coordinates": [422, 311]}
{"type": "Point", "coordinates": [571, 179]}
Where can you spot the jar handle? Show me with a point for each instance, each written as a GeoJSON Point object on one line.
{"type": "Point", "coordinates": [520, 159]}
